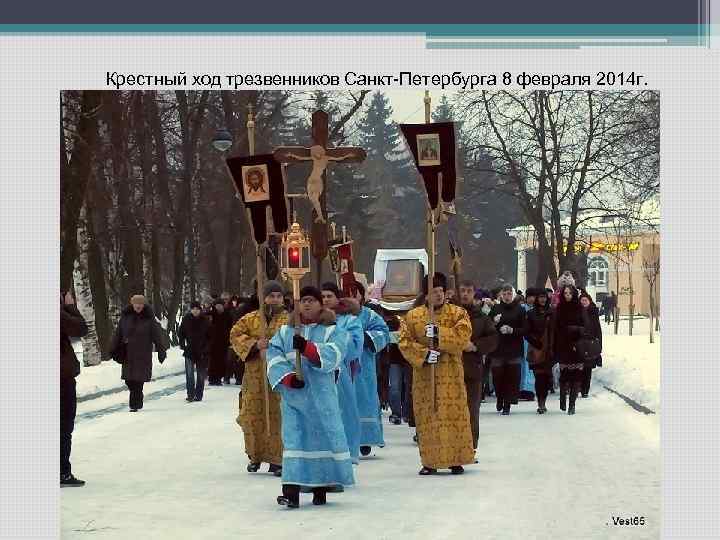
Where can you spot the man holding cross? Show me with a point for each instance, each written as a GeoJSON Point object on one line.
{"type": "Point", "coordinates": [444, 435]}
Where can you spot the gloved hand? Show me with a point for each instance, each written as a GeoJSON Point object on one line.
{"type": "Point", "coordinates": [291, 381]}
{"type": "Point", "coordinates": [497, 318]}
{"type": "Point", "coordinates": [299, 343]}
{"type": "Point", "coordinates": [162, 355]}
{"type": "Point", "coordinates": [432, 357]}
{"type": "Point", "coordinates": [394, 324]}
{"type": "Point", "coordinates": [431, 331]}
{"type": "Point", "coordinates": [505, 329]}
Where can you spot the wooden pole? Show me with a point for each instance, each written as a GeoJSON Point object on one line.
{"type": "Point", "coordinates": [260, 275]}
{"type": "Point", "coordinates": [431, 227]}
{"type": "Point", "coordinates": [296, 321]}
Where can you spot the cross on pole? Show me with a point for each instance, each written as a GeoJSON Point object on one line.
{"type": "Point", "coordinates": [321, 156]}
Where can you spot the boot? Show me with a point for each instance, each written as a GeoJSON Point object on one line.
{"type": "Point", "coordinates": [319, 496]}
{"type": "Point", "coordinates": [457, 469]}
{"type": "Point", "coordinates": [275, 469]}
{"type": "Point", "coordinates": [365, 450]}
{"type": "Point", "coordinates": [563, 396]}
{"type": "Point", "coordinates": [541, 406]}
{"type": "Point", "coordinates": [506, 407]}
{"type": "Point", "coordinates": [499, 404]}
{"type": "Point", "coordinates": [290, 496]}
{"type": "Point", "coordinates": [253, 466]}
{"type": "Point", "coordinates": [574, 390]}
{"type": "Point", "coordinates": [69, 480]}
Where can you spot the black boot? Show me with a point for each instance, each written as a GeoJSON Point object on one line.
{"type": "Point", "coordinates": [574, 390]}
{"type": "Point", "coordinates": [506, 407]}
{"type": "Point", "coordinates": [253, 467]}
{"type": "Point", "coordinates": [290, 496]}
{"type": "Point", "coordinates": [499, 404]}
{"type": "Point", "coordinates": [69, 480]}
{"type": "Point", "coordinates": [365, 450]}
{"type": "Point", "coordinates": [541, 406]}
{"type": "Point", "coordinates": [426, 471]}
{"type": "Point", "coordinates": [457, 469]}
{"type": "Point", "coordinates": [563, 396]}
{"type": "Point", "coordinates": [319, 496]}
{"type": "Point", "coordinates": [275, 469]}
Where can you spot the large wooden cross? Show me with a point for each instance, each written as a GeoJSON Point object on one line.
{"type": "Point", "coordinates": [321, 156]}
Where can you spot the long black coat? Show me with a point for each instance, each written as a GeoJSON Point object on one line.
{"type": "Point", "coordinates": [540, 335]}
{"type": "Point", "coordinates": [140, 331]}
{"type": "Point", "coordinates": [194, 336]}
{"type": "Point", "coordinates": [569, 326]}
{"type": "Point", "coordinates": [72, 324]}
{"type": "Point", "coordinates": [220, 326]}
{"type": "Point", "coordinates": [514, 315]}
{"type": "Point", "coordinates": [485, 338]}
{"type": "Point", "coordinates": [592, 327]}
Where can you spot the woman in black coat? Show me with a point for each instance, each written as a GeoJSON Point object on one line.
{"type": "Point", "coordinates": [569, 327]}
{"type": "Point", "coordinates": [540, 358]}
{"type": "Point", "coordinates": [132, 346]}
{"type": "Point", "coordinates": [594, 330]}
{"type": "Point", "coordinates": [221, 323]}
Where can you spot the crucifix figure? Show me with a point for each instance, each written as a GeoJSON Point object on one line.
{"type": "Point", "coordinates": [320, 156]}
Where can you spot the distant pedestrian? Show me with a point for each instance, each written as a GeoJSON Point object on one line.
{"type": "Point", "coordinates": [137, 332]}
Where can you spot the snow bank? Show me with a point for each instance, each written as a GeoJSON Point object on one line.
{"type": "Point", "coordinates": [106, 376]}
{"type": "Point", "coordinates": [631, 365]}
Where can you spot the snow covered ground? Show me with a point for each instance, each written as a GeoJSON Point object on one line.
{"type": "Point", "coordinates": [176, 470]}
{"type": "Point", "coordinates": [631, 365]}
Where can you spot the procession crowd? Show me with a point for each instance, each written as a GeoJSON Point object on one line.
{"type": "Point", "coordinates": [315, 379]}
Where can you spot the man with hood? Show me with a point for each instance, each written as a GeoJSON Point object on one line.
{"type": "Point", "coordinates": [510, 320]}
{"type": "Point", "coordinates": [444, 435]}
{"type": "Point", "coordinates": [132, 346]}
{"type": "Point", "coordinates": [248, 343]}
{"type": "Point", "coordinates": [376, 336]}
{"type": "Point", "coordinates": [483, 340]}
{"type": "Point", "coordinates": [316, 457]}
{"type": "Point", "coordinates": [346, 311]}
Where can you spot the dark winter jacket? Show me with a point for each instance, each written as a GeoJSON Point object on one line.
{"type": "Point", "coordinates": [515, 316]}
{"type": "Point", "coordinates": [220, 326]}
{"type": "Point", "coordinates": [72, 324]}
{"type": "Point", "coordinates": [540, 334]}
{"type": "Point", "coordinates": [568, 328]}
{"type": "Point", "coordinates": [484, 337]}
{"type": "Point", "coordinates": [592, 326]}
{"type": "Point", "coordinates": [140, 331]}
{"type": "Point", "coordinates": [194, 336]}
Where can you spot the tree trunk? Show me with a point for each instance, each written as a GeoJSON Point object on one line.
{"type": "Point", "coordinates": [74, 180]}
{"type": "Point", "coordinates": [652, 314]}
{"type": "Point", "coordinates": [617, 302]}
{"type": "Point", "coordinates": [91, 347]}
{"type": "Point", "coordinates": [130, 244]}
{"type": "Point", "coordinates": [631, 300]}
{"type": "Point", "coordinates": [96, 276]}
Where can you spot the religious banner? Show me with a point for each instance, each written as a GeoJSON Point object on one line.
{"type": "Point", "coordinates": [433, 149]}
{"type": "Point", "coordinates": [259, 182]}
{"type": "Point", "coordinates": [347, 272]}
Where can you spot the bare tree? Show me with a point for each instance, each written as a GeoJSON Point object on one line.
{"type": "Point", "coordinates": [559, 155]}
{"type": "Point", "coordinates": [651, 271]}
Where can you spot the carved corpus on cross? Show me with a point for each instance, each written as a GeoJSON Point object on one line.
{"type": "Point", "coordinates": [320, 155]}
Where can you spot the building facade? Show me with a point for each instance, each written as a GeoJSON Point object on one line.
{"type": "Point", "coordinates": [622, 256]}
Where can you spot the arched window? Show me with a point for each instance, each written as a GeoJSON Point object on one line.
{"type": "Point", "coordinates": [598, 270]}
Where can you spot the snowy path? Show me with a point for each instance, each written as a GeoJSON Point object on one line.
{"type": "Point", "coordinates": [177, 471]}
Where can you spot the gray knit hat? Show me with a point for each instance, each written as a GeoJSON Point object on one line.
{"type": "Point", "coordinates": [271, 287]}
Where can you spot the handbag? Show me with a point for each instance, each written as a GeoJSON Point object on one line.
{"type": "Point", "coordinates": [588, 348]}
